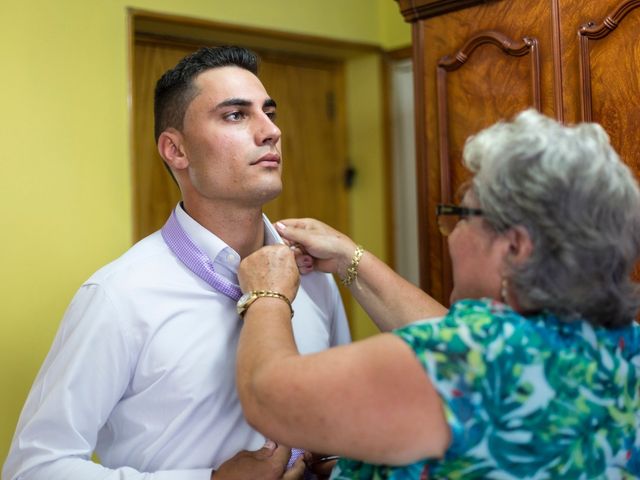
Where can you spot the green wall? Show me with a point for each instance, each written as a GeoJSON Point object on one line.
{"type": "Point", "coordinates": [65, 202]}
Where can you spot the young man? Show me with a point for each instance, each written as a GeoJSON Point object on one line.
{"type": "Point", "coordinates": [142, 370]}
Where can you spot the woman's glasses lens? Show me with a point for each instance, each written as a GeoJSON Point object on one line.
{"type": "Point", "coordinates": [449, 215]}
{"type": "Point", "coordinates": [446, 223]}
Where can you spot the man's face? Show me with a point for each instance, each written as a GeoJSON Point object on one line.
{"type": "Point", "coordinates": [231, 141]}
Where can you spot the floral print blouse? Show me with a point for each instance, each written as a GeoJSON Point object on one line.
{"type": "Point", "coordinates": [525, 397]}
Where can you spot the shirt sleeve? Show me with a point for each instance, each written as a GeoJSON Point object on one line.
{"type": "Point", "coordinates": [83, 377]}
{"type": "Point", "coordinates": [340, 333]}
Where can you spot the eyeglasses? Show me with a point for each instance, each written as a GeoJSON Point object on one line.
{"type": "Point", "coordinates": [450, 215]}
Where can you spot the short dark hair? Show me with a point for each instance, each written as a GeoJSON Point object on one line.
{"type": "Point", "coordinates": [175, 89]}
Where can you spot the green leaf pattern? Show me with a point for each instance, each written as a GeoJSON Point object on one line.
{"type": "Point", "coordinates": [525, 397]}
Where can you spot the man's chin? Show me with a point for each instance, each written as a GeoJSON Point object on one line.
{"type": "Point", "coordinates": [269, 194]}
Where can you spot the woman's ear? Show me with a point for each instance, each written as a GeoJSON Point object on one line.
{"type": "Point", "coordinates": [520, 244]}
{"type": "Point", "coordinates": [171, 149]}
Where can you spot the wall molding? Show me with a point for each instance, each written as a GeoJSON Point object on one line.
{"type": "Point", "coordinates": [414, 10]}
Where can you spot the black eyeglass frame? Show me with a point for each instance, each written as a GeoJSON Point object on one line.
{"type": "Point", "coordinates": [444, 209]}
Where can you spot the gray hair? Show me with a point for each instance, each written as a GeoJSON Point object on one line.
{"type": "Point", "coordinates": [579, 203]}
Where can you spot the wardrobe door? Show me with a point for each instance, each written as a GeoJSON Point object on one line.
{"type": "Point", "coordinates": [607, 45]}
{"type": "Point", "coordinates": [475, 66]}
{"type": "Point", "coordinates": [602, 71]}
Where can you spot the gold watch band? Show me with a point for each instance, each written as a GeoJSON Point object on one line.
{"type": "Point", "coordinates": [248, 298]}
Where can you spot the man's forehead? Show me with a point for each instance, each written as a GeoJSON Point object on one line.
{"type": "Point", "coordinates": [231, 82]}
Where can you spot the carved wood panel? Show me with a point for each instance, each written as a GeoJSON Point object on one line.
{"type": "Point", "coordinates": [504, 89]}
{"type": "Point", "coordinates": [609, 59]}
{"type": "Point", "coordinates": [528, 46]}
{"type": "Point", "coordinates": [609, 52]}
{"type": "Point", "coordinates": [478, 65]}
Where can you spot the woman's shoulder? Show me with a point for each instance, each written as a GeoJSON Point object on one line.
{"type": "Point", "coordinates": [479, 317]}
{"type": "Point", "coordinates": [470, 325]}
{"type": "Point", "coordinates": [475, 322]}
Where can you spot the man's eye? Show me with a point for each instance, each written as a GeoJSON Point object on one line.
{"type": "Point", "coordinates": [235, 116]}
{"type": "Point", "coordinates": [272, 115]}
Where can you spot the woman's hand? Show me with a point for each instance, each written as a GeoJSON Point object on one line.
{"type": "Point", "coordinates": [320, 465]}
{"type": "Point", "coordinates": [270, 268]}
{"type": "Point", "coordinates": [317, 245]}
{"type": "Point", "coordinates": [267, 463]}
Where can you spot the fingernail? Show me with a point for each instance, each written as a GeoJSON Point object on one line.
{"type": "Point", "coordinates": [270, 444]}
{"type": "Point", "coordinates": [281, 225]}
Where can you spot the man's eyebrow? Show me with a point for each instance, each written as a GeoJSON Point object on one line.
{"type": "Point", "coordinates": [241, 102]}
{"type": "Point", "coordinates": [233, 102]}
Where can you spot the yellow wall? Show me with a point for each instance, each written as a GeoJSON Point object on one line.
{"type": "Point", "coordinates": [394, 32]}
{"type": "Point", "coordinates": [65, 202]}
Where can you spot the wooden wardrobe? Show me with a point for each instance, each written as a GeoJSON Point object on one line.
{"type": "Point", "coordinates": [476, 62]}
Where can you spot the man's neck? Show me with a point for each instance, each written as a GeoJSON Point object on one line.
{"type": "Point", "coordinates": [240, 228]}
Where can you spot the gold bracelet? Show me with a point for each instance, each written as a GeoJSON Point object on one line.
{"type": "Point", "coordinates": [352, 269]}
{"type": "Point", "coordinates": [248, 298]}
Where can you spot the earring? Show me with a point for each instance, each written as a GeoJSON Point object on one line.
{"type": "Point", "coordinates": [503, 290]}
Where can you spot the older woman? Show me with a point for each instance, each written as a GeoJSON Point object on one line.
{"type": "Point", "coordinates": [534, 372]}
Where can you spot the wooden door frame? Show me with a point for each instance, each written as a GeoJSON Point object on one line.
{"type": "Point", "coordinates": [389, 58]}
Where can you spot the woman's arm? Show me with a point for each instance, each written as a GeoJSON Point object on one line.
{"type": "Point", "coordinates": [388, 299]}
{"type": "Point", "coordinates": [370, 400]}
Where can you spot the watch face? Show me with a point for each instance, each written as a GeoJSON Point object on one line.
{"type": "Point", "coordinates": [244, 301]}
{"type": "Point", "coordinates": [244, 298]}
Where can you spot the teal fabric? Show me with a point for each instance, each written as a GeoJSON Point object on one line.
{"type": "Point", "coordinates": [525, 397]}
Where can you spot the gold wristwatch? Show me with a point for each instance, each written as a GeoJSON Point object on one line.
{"type": "Point", "coordinates": [248, 298]}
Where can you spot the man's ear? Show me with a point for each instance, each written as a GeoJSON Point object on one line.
{"type": "Point", "coordinates": [171, 149]}
{"type": "Point", "coordinates": [520, 244]}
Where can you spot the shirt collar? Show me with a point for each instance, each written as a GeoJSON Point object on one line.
{"type": "Point", "coordinates": [271, 236]}
{"type": "Point", "coordinates": [213, 245]}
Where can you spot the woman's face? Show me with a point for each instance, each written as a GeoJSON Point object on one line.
{"type": "Point", "coordinates": [478, 256]}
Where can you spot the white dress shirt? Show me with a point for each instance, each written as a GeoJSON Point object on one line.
{"type": "Point", "coordinates": [142, 369]}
